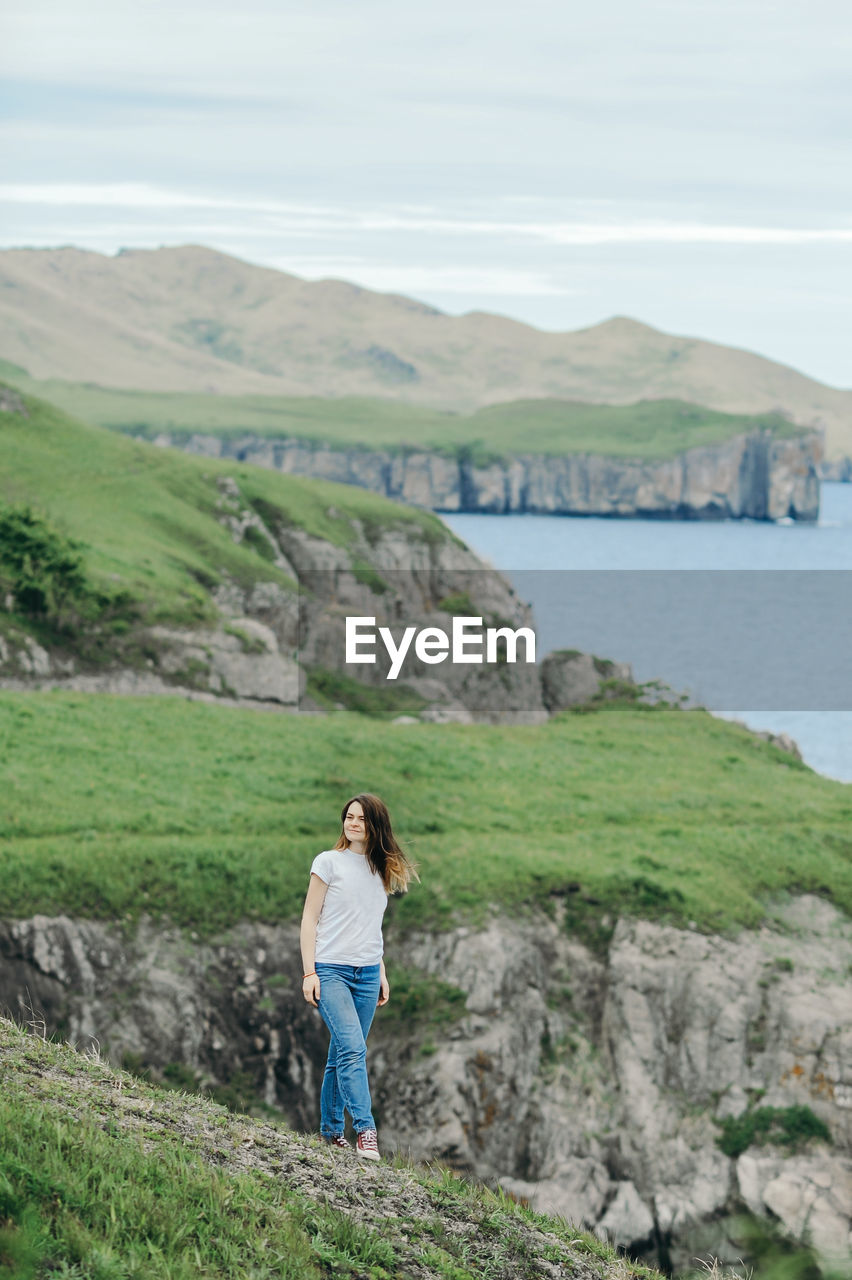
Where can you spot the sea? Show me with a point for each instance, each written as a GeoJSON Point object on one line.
{"type": "Point", "coordinates": [752, 620]}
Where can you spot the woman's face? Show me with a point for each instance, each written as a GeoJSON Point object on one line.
{"type": "Point", "coordinates": [354, 827]}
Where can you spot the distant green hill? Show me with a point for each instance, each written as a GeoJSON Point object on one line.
{"type": "Point", "coordinates": [649, 429]}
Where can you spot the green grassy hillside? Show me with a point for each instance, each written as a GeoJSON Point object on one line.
{"type": "Point", "coordinates": [147, 518]}
{"type": "Point", "coordinates": [213, 814]}
{"type": "Point", "coordinates": [104, 1177]}
{"type": "Point", "coordinates": [116, 806]}
{"type": "Point", "coordinates": [649, 429]}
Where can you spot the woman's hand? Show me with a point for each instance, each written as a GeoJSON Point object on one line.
{"type": "Point", "coordinates": [311, 989]}
{"type": "Point", "coordinates": [384, 989]}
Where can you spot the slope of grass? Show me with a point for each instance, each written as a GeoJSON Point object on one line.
{"type": "Point", "coordinates": [104, 1177]}
{"type": "Point", "coordinates": [150, 518]}
{"type": "Point", "coordinates": [212, 815]}
{"type": "Point", "coordinates": [649, 429]}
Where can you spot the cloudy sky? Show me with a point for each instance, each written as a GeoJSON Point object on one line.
{"type": "Point", "coordinates": [686, 162]}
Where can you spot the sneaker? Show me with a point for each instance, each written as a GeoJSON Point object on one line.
{"type": "Point", "coordinates": [338, 1140]}
{"type": "Point", "coordinates": [367, 1146]}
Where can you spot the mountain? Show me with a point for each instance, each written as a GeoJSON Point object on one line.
{"type": "Point", "coordinates": [191, 319]}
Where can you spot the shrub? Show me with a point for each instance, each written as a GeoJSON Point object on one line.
{"type": "Point", "coordinates": [39, 567]}
{"type": "Point", "coordinates": [417, 996]}
{"type": "Point", "coordinates": [458, 602]}
{"type": "Point", "coordinates": [784, 1126]}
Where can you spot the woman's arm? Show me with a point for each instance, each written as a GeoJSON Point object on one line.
{"type": "Point", "coordinates": [317, 890]}
{"type": "Point", "coordinates": [384, 989]}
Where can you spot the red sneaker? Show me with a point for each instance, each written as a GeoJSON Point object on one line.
{"type": "Point", "coordinates": [338, 1140]}
{"type": "Point", "coordinates": [367, 1146]}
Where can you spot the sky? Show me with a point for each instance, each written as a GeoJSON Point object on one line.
{"type": "Point", "coordinates": [685, 163]}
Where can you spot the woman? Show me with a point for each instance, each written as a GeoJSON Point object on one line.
{"type": "Point", "coordinates": [343, 969]}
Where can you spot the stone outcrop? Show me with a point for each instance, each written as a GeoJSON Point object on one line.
{"type": "Point", "coordinates": [243, 661]}
{"type": "Point", "coordinates": [570, 678]}
{"type": "Point", "coordinates": [753, 476]}
{"type": "Point", "coordinates": [592, 1084]}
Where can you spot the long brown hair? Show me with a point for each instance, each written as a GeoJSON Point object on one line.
{"type": "Point", "coordinates": [380, 844]}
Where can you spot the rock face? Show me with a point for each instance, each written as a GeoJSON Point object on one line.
{"type": "Point", "coordinates": [752, 476]}
{"type": "Point", "coordinates": [590, 1084]}
{"type": "Point", "coordinates": [243, 660]}
{"type": "Point", "coordinates": [569, 678]}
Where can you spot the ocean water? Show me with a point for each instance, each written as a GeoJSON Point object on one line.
{"type": "Point", "coordinates": [753, 620]}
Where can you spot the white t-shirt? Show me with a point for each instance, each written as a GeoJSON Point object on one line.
{"type": "Point", "coordinates": [349, 930]}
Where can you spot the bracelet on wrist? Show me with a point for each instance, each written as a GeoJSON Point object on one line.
{"type": "Point", "coordinates": [312, 974]}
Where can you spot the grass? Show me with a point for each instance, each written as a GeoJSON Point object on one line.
{"type": "Point", "coordinates": [150, 518]}
{"type": "Point", "coordinates": [211, 815]}
{"type": "Point", "coordinates": [105, 1177]}
{"type": "Point", "coordinates": [108, 1208]}
{"type": "Point", "coordinates": [648, 429]}
{"type": "Point", "coordinates": [419, 998]}
{"type": "Point", "coordinates": [334, 689]}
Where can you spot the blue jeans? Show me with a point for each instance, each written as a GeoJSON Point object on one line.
{"type": "Point", "coordinates": [348, 998]}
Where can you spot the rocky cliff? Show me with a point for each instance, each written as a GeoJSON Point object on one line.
{"type": "Point", "coordinates": [274, 646]}
{"type": "Point", "coordinates": [270, 638]}
{"type": "Point", "coordinates": [752, 476]}
{"type": "Point", "coordinates": [590, 1080]}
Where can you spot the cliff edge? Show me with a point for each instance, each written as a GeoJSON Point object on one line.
{"type": "Point", "coordinates": [752, 476]}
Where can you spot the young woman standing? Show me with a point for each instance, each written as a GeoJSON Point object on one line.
{"type": "Point", "coordinates": [342, 958]}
